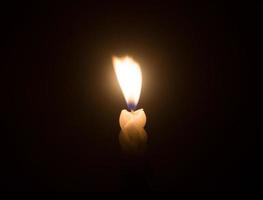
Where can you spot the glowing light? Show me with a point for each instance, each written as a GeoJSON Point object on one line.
{"type": "Point", "coordinates": [129, 76]}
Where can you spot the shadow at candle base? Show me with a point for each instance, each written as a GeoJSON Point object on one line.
{"type": "Point", "coordinates": [135, 173]}
{"type": "Point", "coordinates": [133, 143]}
{"type": "Point", "coordinates": [135, 170]}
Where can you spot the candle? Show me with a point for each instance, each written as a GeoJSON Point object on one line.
{"type": "Point", "coordinates": [132, 137]}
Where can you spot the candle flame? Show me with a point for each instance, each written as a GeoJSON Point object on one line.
{"type": "Point", "coordinates": [129, 75]}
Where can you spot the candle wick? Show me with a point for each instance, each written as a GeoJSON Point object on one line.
{"type": "Point", "coordinates": [131, 106]}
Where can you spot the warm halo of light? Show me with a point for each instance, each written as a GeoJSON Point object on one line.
{"type": "Point", "coordinates": [129, 75]}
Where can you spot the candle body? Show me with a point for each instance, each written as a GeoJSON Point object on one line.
{"type": "Point", "coordinates": [133, 137]}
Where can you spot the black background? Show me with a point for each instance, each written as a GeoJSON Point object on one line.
{"type": "Point", "coordinates": [61, 102]}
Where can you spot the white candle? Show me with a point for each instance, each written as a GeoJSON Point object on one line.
{"type": "Point", "coordinates": [132, 137]}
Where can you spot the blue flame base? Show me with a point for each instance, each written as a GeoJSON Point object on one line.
{"type": "Point", "coordinates": [131, 106]}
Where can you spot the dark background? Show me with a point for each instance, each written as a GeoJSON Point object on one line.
{"type": "Point", "coordinates": [61, 102]}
